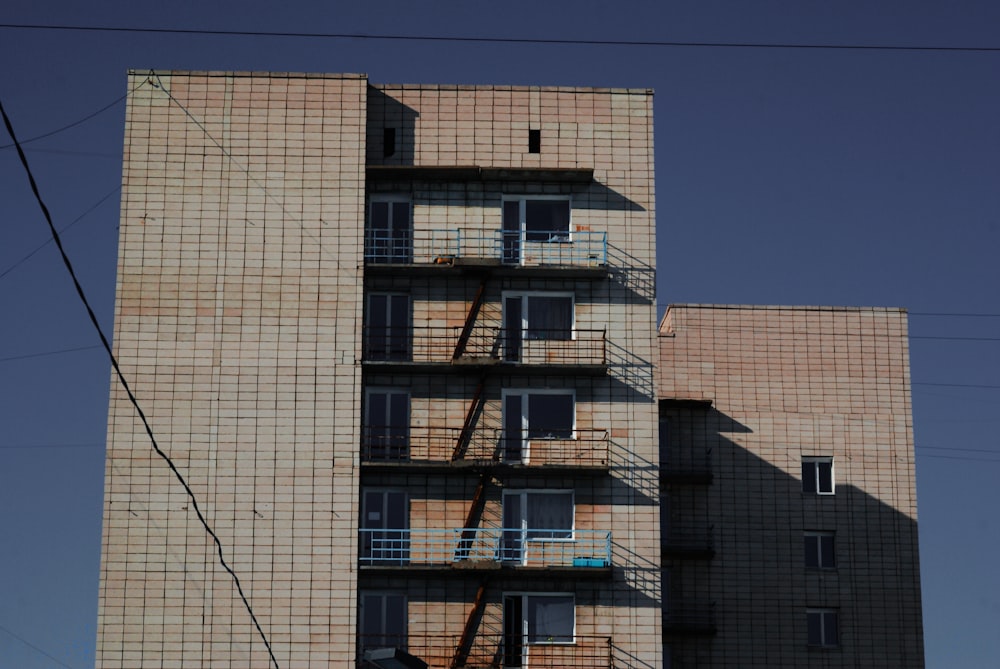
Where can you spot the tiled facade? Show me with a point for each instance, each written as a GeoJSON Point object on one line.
{"type": "Point", "coordinates": [400, 341]}
{"type": "Point", "coordinates": [335, 302]}
{"type": "Point", "coordinates": [788, 461]}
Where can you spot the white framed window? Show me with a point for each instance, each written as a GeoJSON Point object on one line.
{"type": "Point", "coordinates": [823, 626]}
{"type": "Point", "coordinates": [381, 620]}
{"type": "Point", "coordinates": [820, 550]}
{"type": "Point", "coordinates": [385, 522]}
{"type": "Point", "coordinates": [532, 619]}
{"type": "Point", "coordinates": [387, 424]}
{"type": "Point", "coordinates": [530, 414]}
{"type": "Point", "coordinates": [387, 333]}
{"type": "Point", "coordinates": [531, 219]}
{"type": "Point", "coordinates": [534, 515]}
{"type": "Point", "coordinates": [536, 316]}
{"type": "Point", "coordinates": [389, 234]}
{"type": "Point", "coordinates": [817, 475]}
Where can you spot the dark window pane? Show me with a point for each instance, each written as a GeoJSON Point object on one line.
{"type": "Point", "coordinates": [550, 317]}
{"type": "Point", "coordinates": [808, 477]}
{"type": "Point", "coordinates": [812, 551]}
{"type": "Point", "coordinates": [380, 216]}
{"type": "Point", "coordinates": [825, 476]}
{"type": "Point", "coordinates": [546, 220]}
{"type": "Point", "coordinates": [550, 416]}
{"type": "Point", "coordinates": [830, 628]}
{"type": "Point", "coordinates": [815, 621]}
{"type": "Point", "coordinates": [828, 554]}
{"type": "Point", "coordinates": [388, 142]}
{"type": "Point", "coordinates": [512, 328]}
{"type": "Point", "coordinates": [513, 443]}
{"type": "Point", "coordinates": [534, 141]}
{"type": "Point", "coordinates": [510, 242]}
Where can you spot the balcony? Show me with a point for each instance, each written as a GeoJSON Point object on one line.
{"type": "Point", "coordinates": [489, 651]}
{"type": "Point", "coordinates": [440, 348]}
{"type": "Point", "coordinates": [486, 548]}
{"type": "Point", "coordinates": [584, 251]}
{"type": "Point", "coordinates": [689, 618]}
{"type": "Point", "coordinates": [687, 468]}
{"type": "Point", "coordinates": [687, 542]}
{"type": "Point", "coordinates": [402, 447]}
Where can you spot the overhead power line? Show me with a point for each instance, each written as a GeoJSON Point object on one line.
{"type": "Point", "coordinates": [495, 40]}
{"type": "Point", "coordinates": [26, 356]}
{"type": "Point", "coordinates": [49, 240]}
{"type": "Point", "coordinates": [70, 125]}
{"type": "Point", "coordinates": [124, 383]}
{"type": "Point", "coordinates": [35, 648]}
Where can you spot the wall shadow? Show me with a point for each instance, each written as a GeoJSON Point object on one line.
{"type": "Point", "coordinates": [391, 135]}
{"type": "Point", "coordinates": [754, 582]}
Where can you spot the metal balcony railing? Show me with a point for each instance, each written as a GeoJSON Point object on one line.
{"type": "Point", "coordinates": [495, 650]}
{"type": "Point", "coordinates": [581, 248]}
{"type": "Point", "coordinates": [511, 547]}
{"type": "Point", "coordinates": [437, 344]}
{"type": "Point", "coordinates": [416, 444]}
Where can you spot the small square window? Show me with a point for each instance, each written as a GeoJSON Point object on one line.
{"type": "Point", "coordinates": [817, 475]}
{"type": "Point", "coordinates": [819, 550]}
{"type": "Point", "coordinates": [823, 627]}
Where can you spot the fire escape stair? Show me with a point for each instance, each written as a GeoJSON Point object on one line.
{"type": "Point", "coordinates": [464, 647]}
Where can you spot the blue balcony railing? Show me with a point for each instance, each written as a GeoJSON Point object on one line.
{"type": "Point", "coordinates": [513, 547]}
{"type": "Point", "coordinates": [581, 248]}
{"type": "Point", "coordinates": [431, 343]}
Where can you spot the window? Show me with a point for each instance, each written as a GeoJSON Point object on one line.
{"type": "Point", "coordinates": [382, 620]}
{"type": "Point", "coordinates": [535, 414]}
{"type": "Point", "coordinates": [817, 475]}
{"type": "Point", "coordinates": [819, 550]}
{"type": "Point", "coordinates": [534, 515]}
{"type": "Point", "coordinates": [389, 236]}
{"type": "Point", "coordinates": [534, 141]}
{"type": "Point", "coordinates": [535, 316]}
{"type": "Point", "coordinates": [535, 619]}
{"type": "Point", "coordinates": [387, 424]}
{"type": "Point", "coordinates": [388, 142]}
{"type": "Point", "coordinates": [387, 327]}
{"type": "Point", "coordinates": [385, 536]}
{"type": "Point", "coordinates": [533, 220]}
{"type": "Point", "coordinates": [823, 629]}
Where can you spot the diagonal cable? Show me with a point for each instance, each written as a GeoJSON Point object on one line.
{"type": "Point", "coordinates": [124, 382]}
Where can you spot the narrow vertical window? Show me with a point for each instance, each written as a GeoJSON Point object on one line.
{"type": "Point", "coordinates": [534, 141]}
{"type": "Point", "coordinates": [388, 142]}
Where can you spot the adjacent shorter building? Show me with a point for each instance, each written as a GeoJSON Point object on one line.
{"type": "Point", "coordinates": [789, 506]}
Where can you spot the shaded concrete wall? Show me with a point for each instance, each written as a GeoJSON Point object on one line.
{"type": "Point", "coordinates": [788, 383]}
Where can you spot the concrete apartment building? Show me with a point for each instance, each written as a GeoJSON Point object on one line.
{"type": "Point", "coordinates": [401, 343]}
{"type": "Point", "coordinates": [789, 497]}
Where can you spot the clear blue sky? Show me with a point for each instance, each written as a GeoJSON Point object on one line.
{"type": "Point", "coordinates": [784, 176]}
